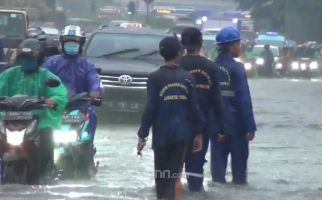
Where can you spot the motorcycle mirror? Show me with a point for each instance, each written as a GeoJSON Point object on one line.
{"type": "Point", "coordinates": [52, 83]}
{"type": "Point", "coordinates": [99, 70]}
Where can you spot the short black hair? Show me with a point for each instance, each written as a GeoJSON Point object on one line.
{"type": "Point", "coordinates": [169, 48]}
{"type": "Point", "coordinates": [191, 38]}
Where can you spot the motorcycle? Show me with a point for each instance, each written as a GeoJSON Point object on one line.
{"type": "Point", "coordinates": [74, 152]}
{"type": "Point", "coordinates": [19, 138]}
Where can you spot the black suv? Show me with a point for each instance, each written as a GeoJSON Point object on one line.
{"type": "Point", "coordinates": [124, 59]}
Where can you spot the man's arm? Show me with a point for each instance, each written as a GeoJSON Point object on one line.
{"type": "Point", "coordinates": [217, 100]}
{"type": "Point", "coordinates": [198, 118]}
{"type": "Point", "coordinates": [150, 109]}
{"type": "Point", "coordinates": [244, 98]}
{"type": "Point", "coordinates": [93, 79]}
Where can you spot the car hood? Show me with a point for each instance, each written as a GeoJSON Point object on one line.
{"type": "Point", "coordinates": [123, 66]}
{"type": "Point", "coordinates": [303, 59]}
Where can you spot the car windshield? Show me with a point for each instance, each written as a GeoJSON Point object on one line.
{"type": "Point", "coordinates": [259, 49]}
{"type": "Point", "coordinates": [305, 53]}
{"type": "Point", "coordinates": [127, 46]}
{"type": "Point", "coordinates": [12, 24]}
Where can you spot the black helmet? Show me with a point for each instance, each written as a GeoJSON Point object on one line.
{"type": "Point", "coordinates": [31, 47]}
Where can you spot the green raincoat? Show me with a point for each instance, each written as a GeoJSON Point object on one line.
{"type": "Point", "coordinates": [14, 82]}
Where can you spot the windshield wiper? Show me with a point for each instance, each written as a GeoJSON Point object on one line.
{"type": "Point", "coordinates": [147, 54]}
{"type": "Point", "coordinates": [119, 52]}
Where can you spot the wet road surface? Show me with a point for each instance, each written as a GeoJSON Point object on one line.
{"type": "Point", "coordinates": [285, 160]}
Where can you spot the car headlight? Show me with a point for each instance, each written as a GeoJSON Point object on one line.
{"type": "Point", "coordinates": [279, 66]}
{"type": "Point", "coordinates": [303, 66]}
{"type": "Point", "coordinates": [15, 137]}
{"type": "Point", "coordinates": [63, 137]}
{"type": "Point", "coordinates": [314, 65]}
{"type": "Point", "coordinates": [260, 61]}
{"type": "Point", "coordinates": [248, 66]}
{"type": "Point", "coordinates": [295, 66]}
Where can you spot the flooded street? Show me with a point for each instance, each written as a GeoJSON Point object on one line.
{"type": "Point", "coordinates": [285, 160]}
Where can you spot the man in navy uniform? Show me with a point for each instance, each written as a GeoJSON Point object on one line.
{"type": "Point", "coordinates": [172, 110]}
{"type": "Point", "coordinates": [205, 73]}
{"type": "Point", "coordinates": [240, 125]}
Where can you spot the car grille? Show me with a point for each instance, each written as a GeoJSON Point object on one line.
{"type": "Point", "coordinates": [124, 81]}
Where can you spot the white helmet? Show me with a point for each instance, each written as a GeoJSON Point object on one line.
{"type": "Point", "coordinates": [72, 33]}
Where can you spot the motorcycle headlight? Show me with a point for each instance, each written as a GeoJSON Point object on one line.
{"type": "Point", "coordinates": [15, 138]}
{"type": "Point", "coordinates": [314, 65]}
{"type": "Point", "coordinates": [279, 66]}
{"type": "Point", "coordinates": [64, 137]}
{"type": "Point", "coordinates": [260, 61]}
{"type": "Point", "coordinates": [303, 66]}
{"type": "Point", "coordinates": [248, 66]}
{"type": "Point", "coordinates": [295, 66]}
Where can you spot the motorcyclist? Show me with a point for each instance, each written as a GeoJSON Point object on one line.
{"type": "Point", "coordinates": [28, 79]}
{"type": "Point", "coordinates": [50, 45]}
{"type": "Point", "coordinates": [268, 57]}
{"type": "Point", "coordinates": [240, 125]}
{"type": "Point", "coordinates": [78, 75]}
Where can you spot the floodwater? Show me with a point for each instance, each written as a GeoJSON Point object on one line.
{"type": "Point", "coordinates": [285, 160]}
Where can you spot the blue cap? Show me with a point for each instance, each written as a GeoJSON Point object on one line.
{"type": "Point", "coordinates": [228, 34]}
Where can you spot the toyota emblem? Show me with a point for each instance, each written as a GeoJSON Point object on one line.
{"type": "Point", "coordinates": [125, 79]}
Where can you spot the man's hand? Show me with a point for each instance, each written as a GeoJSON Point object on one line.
{"type": "Point", "coordinates": [250, 136]}
{"type": "Point", "coordinates": [221, 137]}
{"type": "Point", "coordinates": [197, 143]}
{"type": "Point", "coordinates": [141, 145]}
{"type": "Point", "coordinates": [50, 103]}
{"type": "Point", "coordinates": [95, 95]}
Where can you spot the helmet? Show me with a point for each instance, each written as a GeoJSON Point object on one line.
{"type": "Point", "coordinates": [34, 32]}
{"type": "Point", "coordinates": [72, 33]}
{"type": "Point", "coordinates": [30, 47]}
{"type": "Point", "coordinates": [228, 35]}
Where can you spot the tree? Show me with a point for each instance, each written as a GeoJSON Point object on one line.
{"type": "Point", "coordinates": [298, 19]}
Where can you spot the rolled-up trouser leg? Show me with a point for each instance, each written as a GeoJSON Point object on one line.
{"type": "Point", "coordinates": [168, 162]}
{"type": "Point", "coordinates": [194, 166]}
{"type": "Point", "coordinates": [219, 158]}
{"type": "Point", "coordinates": [239, 158]}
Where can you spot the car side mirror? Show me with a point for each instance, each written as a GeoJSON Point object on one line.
{"type": "Point", "coordinates": [52, 83]}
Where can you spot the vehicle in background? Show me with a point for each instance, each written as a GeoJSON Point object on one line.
{"type": "Point", "coordinates": [259, 62]}
{"type": "Point", "coordinates": [50, 31]}
{"type": "Point", "coordinates": [184, 12]}
{"type": "Point", "coordinates": [124, 58]}
{"type": "Point", "coordinates": [163, 12]}
{"type": "Point", "coordinates": [13, 30]}
{"type": "Point", "coordinates": [272, 38]}
{"type": "Point", "coordinates": [211, 31]}
{"type": "Point", "coordinates": [304, 64]}
{"type": "Point", "coordinates": [249, 65]}
{"type": "Point", "coordinates": [209, 46]}
{"type": "Point", "coordinates": [178, 29]}
{"type": "Point", "coordinates": [117, 23]}
{"type": "Point", "coordinates": [109, 12]}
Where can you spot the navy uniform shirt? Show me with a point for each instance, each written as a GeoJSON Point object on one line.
{"type": "Point", "coordinates": [239, 117]}
{"type": "Point", "coordinates": [205, 73]}
{"type": "Point", "coordinates": [172, 108]}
